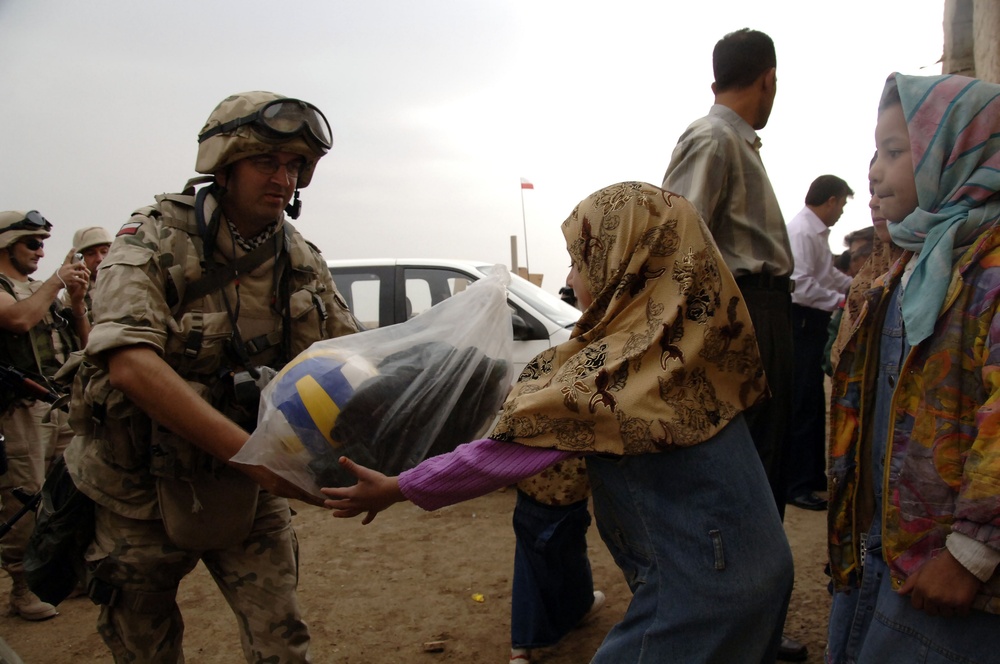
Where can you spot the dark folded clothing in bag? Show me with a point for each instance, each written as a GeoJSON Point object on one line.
{"type": "Point", "coordinates": [386, 424]}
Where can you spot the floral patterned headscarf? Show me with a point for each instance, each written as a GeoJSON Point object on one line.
{"type": "Point", "coordinates": [665, 355]}
{"type": "Point", "coordinates": [883, 255]}
{"type": "Point", "coordinates": [954, 127]}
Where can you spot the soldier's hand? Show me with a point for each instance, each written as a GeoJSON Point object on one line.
{"type": "Point", "coordinates": [75, 277]}
{"type": "Point", "coordinates": [277, 485]}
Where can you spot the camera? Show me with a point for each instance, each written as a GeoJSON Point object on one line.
{"type": "Point", "coordinates": [248, 384]}
{"type": "Point", "coordinates": [245, 389]}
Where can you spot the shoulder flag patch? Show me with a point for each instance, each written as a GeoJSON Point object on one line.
{"type": "Point", "coordinates": [130, 228]}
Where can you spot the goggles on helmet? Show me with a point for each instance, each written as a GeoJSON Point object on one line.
{"type": "Point", "coordinates": [32, 222]}
{"type": "Point", "coordinates": [281, 119]}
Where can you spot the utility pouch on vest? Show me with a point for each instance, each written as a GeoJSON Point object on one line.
{"type": "Point", "coordinates": [204, 504]}
{"type": "Point", "coordinates": [107, 420]}
{"type": "Point", "coordinates": [215, 509]}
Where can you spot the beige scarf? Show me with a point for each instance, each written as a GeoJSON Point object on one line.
{"type": "Point", "coordinates": [665, 355]}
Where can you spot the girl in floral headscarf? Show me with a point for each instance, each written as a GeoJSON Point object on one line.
{"type": "Point", "coordinates": [650, 390]}
{"type": "Point", "coordinates": [915, 424]}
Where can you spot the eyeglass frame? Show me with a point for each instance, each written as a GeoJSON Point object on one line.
{"type": "Point", "coordinates": [256, 162]}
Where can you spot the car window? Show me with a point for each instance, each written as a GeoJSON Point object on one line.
{"type": "Point", "coordinates": [361, 290]}
{"type": "Point", "coordinates": [544, 302]}
{"type": "Point", "coordinates": [426, 287]}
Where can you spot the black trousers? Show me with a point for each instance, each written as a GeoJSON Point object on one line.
{"type": "Point", "coordinates": [804, 465]}
{"type": "Point", "coordinates": [770, 311]}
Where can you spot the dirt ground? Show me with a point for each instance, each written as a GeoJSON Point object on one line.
{"type": "Point", "coordinates": [376, 594]}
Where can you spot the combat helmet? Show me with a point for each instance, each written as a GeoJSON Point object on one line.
{"type": "Point", "coordinates": [251, 123]}
{"type": "Point", "coordinates": [15, 225]}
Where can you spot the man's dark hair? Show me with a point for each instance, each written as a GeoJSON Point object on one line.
{"type": "Point", "coordinates": [826, 186]}
{"type": "Point", "coordinates": [842, 261]}
{"type": "Point", "coordinates": [567, 295]}
{"type": "Point", "coordinates": [740, 58]}
{"type": "Point", "coordinates": [866, 234]}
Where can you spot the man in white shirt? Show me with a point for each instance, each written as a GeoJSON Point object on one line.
{"type": "Point", "coordinates": [820, 289]}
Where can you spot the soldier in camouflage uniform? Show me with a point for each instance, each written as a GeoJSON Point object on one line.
{"type": "Point", "coordinates": [93, 243]}
{"type": "Point", "coordinates": [200, 294]}
{"type": "Point", "coordinates": [37, 333]}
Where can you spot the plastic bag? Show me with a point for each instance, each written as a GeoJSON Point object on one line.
{"type": "Point", "coordinates": [391, 397]}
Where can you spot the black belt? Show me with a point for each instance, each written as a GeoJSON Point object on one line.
{"type": "Point", "coordinates": [766, 282]}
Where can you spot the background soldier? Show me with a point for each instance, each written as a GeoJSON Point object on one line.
{"type": "Point", "coordinates": [37, 334]}
{"type": "Point", "coordinates": [93, 242]}
{"type": "Point", "coordinates": [199, 295]}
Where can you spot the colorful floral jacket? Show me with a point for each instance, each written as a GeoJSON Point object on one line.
{"type": "Point", "coordinates": [943, 456]}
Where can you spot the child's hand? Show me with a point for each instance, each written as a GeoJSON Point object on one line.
{"type": "Point", "coordinates": [942, 587]}
{"type": "Point", "coordinates": [373, 493]}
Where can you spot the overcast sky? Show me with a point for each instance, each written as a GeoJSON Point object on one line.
{"type": "Point", "coordinates": [438, 108]}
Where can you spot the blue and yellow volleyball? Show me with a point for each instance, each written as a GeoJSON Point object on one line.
{"type": "Point", "coordinates": [312, 390]}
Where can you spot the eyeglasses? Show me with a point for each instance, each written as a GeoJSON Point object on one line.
{"type": "Point", "coordinates": [32, 244]}
{"type": "Point", "coordinates": [32, 221]}
{"type": "Point", "coordinates": [267, 164]}
{"type": "Point", "coordinates": [280, 120]}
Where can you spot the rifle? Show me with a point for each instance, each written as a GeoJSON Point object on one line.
{"type": "Point", "coordinates": [26, 387]}
{"type": "Point", "coordinates": [29, 501]}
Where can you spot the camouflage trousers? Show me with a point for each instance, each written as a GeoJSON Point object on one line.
{"type": "Point", "coordinates": [35, 435]}
{"type": "Point", "coordinates": [258, 579]}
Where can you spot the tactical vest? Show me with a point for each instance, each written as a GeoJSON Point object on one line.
{"type": "Point", "coordinates": [287, 313]}
{"type": "Point", "coordinates": [43, 349]}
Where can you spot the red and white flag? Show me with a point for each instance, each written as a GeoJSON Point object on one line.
{"type": "Point", "coordinates": [526, 185]}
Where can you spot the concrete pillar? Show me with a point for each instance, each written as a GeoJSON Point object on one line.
{"type": "Point", "coordinates": [986, 39]}
{"type": "Point", "coordinates": [958, 56]}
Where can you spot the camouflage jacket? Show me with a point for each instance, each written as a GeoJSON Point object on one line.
{"type": "Point", "coordinates": [43, 349]}
{"type": "Point", "coordinates": [140, 299]}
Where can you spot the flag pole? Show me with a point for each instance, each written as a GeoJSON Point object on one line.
{"type": "Point", "coordinates": [524, 224]}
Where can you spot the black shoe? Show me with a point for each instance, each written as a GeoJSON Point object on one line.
{"type": "Point", "coordinates": [791, 650]}
{"type": "Point", "coordinates": [808, 501]}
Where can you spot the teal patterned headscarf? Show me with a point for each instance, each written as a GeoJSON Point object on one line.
{"type": "Point", "coordinates": [954, 127]}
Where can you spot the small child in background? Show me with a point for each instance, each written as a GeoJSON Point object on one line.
{"type": "Point", "coordinates": [915, 449]}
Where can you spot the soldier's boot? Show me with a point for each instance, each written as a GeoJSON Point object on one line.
{"type": "Point", "coordinates": [25, 603]}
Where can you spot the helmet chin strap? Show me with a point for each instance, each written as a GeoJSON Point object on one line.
{"type": "Point", "coordinates": [294, 208]}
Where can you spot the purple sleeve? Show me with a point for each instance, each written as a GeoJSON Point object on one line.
{"type": "Point", "coordinates": [473, 470]}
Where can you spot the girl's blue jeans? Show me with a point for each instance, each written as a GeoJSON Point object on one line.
{"type": "Point", "coordinates": [697, 535]}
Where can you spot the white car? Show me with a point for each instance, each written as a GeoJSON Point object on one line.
{"type": "Point", "coordinates": [384, 292]}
